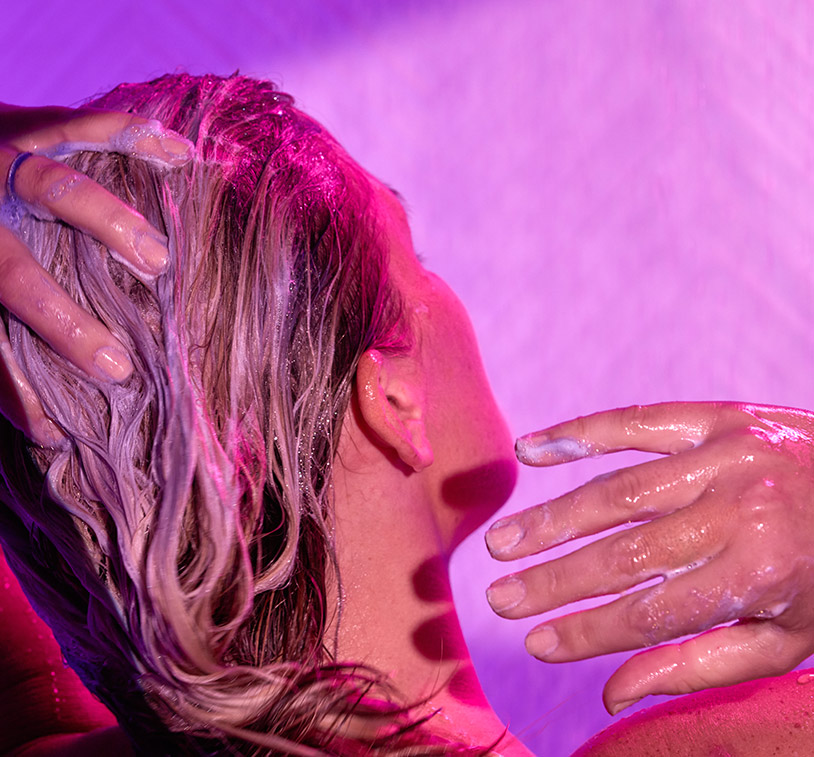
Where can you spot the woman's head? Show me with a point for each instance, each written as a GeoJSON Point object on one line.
{"type": "Point", "coordinates": [181, 538]}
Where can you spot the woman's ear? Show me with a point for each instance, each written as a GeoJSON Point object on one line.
{"type": "Point", "coordinates": [392, 403]}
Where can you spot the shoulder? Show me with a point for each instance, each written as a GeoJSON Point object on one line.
{"type": "Point", "coordinates": [770, 716]}
{"type": "Point", "coordinates": [104, 741]}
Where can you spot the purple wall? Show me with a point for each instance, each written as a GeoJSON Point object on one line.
{"type": "Point", "coordinates": [622, 198]}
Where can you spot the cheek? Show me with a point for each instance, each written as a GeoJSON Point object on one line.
{"type": "Point", "coordinates": [468, 387]}
{"type": "Point", "coordinates": [479, 469]}
{"type": "Point", "coordinates": [475, 468]}
{"type": "Point", "coordinates": [471, 435]}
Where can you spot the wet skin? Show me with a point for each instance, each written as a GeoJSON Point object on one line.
{"type": "Point", "coordinates": [729, 464]}
{"type": "Point", "coordinates": [51, 190]}
{"type": "Point", "coordinates": [425, 456]}
{"type": "Point", "coordinates": [474, 469]}
{"type": "Point", "coordinates": [444, 379]}
{"type": "Point", "coordinates": [726, 519]}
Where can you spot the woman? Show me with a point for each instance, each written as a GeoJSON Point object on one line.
{"type": "Point", "coordinates": [391, 428]}
{"type": "Point", "coordinates": [243, 545]}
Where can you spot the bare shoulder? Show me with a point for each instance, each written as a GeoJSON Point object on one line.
{"type": "Point", "coordinates": [104, 741]}
{"type": "Point", "coordinates": [772, 716]}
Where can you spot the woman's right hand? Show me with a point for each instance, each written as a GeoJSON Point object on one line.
{"type": "Point", "coordinates": [46, 188]}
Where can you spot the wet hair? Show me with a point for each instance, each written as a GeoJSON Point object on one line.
{"type": "Point", "coordinates": [180, 542]}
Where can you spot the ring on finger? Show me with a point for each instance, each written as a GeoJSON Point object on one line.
{"type": "Point", "coordinates": [19, 159]}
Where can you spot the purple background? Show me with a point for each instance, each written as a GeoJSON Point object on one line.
{"type": "Point", "coordinates": [621, 193]}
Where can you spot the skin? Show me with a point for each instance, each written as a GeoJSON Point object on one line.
{"type": "Point", "coordinates": [50, 189]}
{"type": "Point", "coordinates": [724, 464]}
{"type": "Point", "coordinates": [409, 458]}
{"type": "Point", "coordinates": [720, 459]}
{"type": "Point", "coordinates": [411, 444]}
{"type": "Point", "coordinates": [52, 712]}
{"type": "Point", "coordinates": [767, 718]}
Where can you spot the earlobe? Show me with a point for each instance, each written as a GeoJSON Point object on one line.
{"type": "Point", "coordinates": [391, 402]}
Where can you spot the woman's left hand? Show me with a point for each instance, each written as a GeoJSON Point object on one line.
{"type": "Point", "coordinates": [727, 520]}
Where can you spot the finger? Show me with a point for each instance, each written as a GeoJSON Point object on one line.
{"type": "Point", "coordinates": [616, 563]}
{"type": "Point", "coordinates": [19, 402]}
{"type": "Point", "coordinates": [54, 190]}
{"type": "Point", "coordinates": [30, 293]}
{"type": "Point", "coordinates": [721, 657]}
{"type": "Point", "coordinates": [59, 131]}
{"type": "Point", "coordinates": [666, 428]}
{"type": "Point", "coordinates": [641, 492]}
{"type": "Point", "coordinates": [681, 605]}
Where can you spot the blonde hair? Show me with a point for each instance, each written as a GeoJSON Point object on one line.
{"type": "Point", "coordinates": [180, 543]}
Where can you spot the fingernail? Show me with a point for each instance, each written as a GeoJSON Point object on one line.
{"type": "Point", "coordinates": [113, 363]}
{"type": "Point", "coordinates": [506, 593]}
{"type": "Point", "coordinates": [616, 708]}
{"type": "Point", "coordinates": [540, 450]}
{"type": "Point", "coordinates": [151, 141]}
{"type": "Point", "coordinates": [152, 252]}
{"type": "Point", "coordinates": [503, 536]}
{"type": "Point", "coordinates": [682, 445]}
{"type": "Point", "coordinates": [542, 642]}
{"type": "Point", "coordinates": [178, 149]}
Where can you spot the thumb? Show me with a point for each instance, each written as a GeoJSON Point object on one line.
{"type": "Point", "coordinates": [720, 657]}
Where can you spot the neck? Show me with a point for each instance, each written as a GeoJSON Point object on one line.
{"type": "Point", "coordinates": [397, 611]}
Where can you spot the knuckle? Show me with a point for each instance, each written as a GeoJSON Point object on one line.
{"type": "Point", "coordinates": [42, 175]}
{"type": "Point", "coordinates": [625, 489]}
{"type": "Point", "coordinates": [580, 428]}
{"type": "Point", "coordinates": [695, 675]}
{"type": "Point", "coordinates": [767, 571]}
{"type": "Point", "coordinates": [50, 182]}
{"type": "Point", "coordinates": [773, 647]}
{"type": "Point", "coordinates": [650, 619]}
{"type": "Point", "coordinates": [762, 511]}
{"type": "Point", "coordinates": [62, 131]}
{"type": "Point", "coordinates": [581, 632]}
{"type": "Point", "coordinates": [126, 120]}
{"type": "Point", "coordinates": [729, 414]}
{"type": "Point", "coordinates": [628, 555]}
{"type": "Point", "coordinates": [634, 417]}
{"type": "Point", "coordinates": [91, 124]}
{"type": "Point", "coordinates": [118, 223]}
{"type": "Point", "coordinates": [14, 273]}
{"type": "Point", "coordinates": [122, 220]}
{"type": "Point", "coordinates": [551, 581]}
{"type": "Point", "coordinates": [537, 522]}
{"type": "Point", "coordinates": [761, 495]}
{"type": "Point", "coordinates": [753, 441]}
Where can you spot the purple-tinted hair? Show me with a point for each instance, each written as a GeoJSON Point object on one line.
{"type": "Point", "coordinates": [180, 544]}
